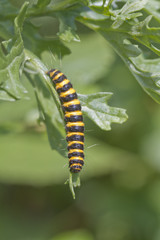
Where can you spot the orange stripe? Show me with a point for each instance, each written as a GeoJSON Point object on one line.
{"type": "Point", "coordinates": [68, 114]}
{"type": "Point", "coordinates": [75, 150]}
{"type": "Point", "coordinates": [70, 124]}
{"type": "Point", "coordinates": [61, 84]}
{"type": "Point", "coordinates": [70, 143]}
{"type": "Point", "coordinates": [76, 158]}
{"type": "Point", "coordinates": [69, 134]}
{"type": "Point", "coordinates": [52, 73]}
{"type": "Point", "coordinates": [73, 102]}
{"type": "Point", "coordinates": [57, 76]}
{"type": "Point", "coordinates": [68, 92]}
{"type": "Point", "coordinates": [76, 164]}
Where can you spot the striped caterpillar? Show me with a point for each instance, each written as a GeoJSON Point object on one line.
{"type": "Point", "coordinates": [73, 119]}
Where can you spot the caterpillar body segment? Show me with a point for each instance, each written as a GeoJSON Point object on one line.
{"type": "Point", "coordinates": [73, 118]}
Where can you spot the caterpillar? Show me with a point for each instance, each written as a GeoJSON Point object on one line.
{"type": "Point", "coordinates": [73, 118]}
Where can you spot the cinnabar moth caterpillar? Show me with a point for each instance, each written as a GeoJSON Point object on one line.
{"type": "Point", "coordinates": [73, 118]}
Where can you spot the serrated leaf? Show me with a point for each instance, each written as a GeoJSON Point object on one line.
{"type": "Point", "coordinates": [102, 6]}
{"type": "Point", "coordinates": [149, 71]}
{"type": "Point", "coordinates": [153, 8]}
{"type": "Point", "coordinates": [133, 7]}
{"type": "Point", "coordinates": [128, 11]}
{"type": "Point", "coordinates": [138, 34]}
{"type": "Point", "coordinates": [96, 107]}
{"type": "Point", "coordinates": [99, 6]}
{"type": "Point", "coordinates": [11, 59]}
{"type": "Point", "coordinates": [120, 20]}
{"type": "Point", "coordinates": [67, 28]}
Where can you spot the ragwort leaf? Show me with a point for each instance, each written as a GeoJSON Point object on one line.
{"type": "Point", "coordinates": [46, 101]}
{"type": "Point", "coordinates": [96, 107]}
{"type": "Point", "coordinates": [128, 11]}
{"type": "Point", "coordinates": [153, 8]}
{"type": "Point", "coordinates": [67, 28]}
{"type": "Point", "coordinates": [11, 59]}
{"type": "Point", "coordinates": [131, 39]}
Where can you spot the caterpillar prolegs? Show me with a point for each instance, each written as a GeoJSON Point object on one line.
{"type": "Point", "coordinates": [73, 119]}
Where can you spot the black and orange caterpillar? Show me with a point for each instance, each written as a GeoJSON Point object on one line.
{"type": "Point", "coordinates": [73, 118]}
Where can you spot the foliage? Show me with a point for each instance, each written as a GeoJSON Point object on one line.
{"type": "Point", "coordinates": [96, 108]}
{"type": "Point", "coordinates": [125, 28]}
{"type": "Point", "coordinates": [119, 198]}
{"type": "Point", "coordinates": [12, 88]}
{"type": "Point", "coordinates": [126, 25]}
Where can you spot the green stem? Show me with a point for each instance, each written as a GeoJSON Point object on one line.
{"type": "Point", "coordinates": [42, 69]}
{"type": "Point", "coordinates": [73, 181]}
{"type": "Point", "coordinates": [46, 11]}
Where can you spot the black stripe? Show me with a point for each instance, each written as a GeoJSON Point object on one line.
{"type": "Point", "coordinates": [65, 88]}
{"type": "Point", "coordinates": [76, 161]}
{"type": "Point", "coordinates": [74, 118]}
{"type": "Point", "coordinates": [52, 70]}
{"type": "Point", "coordinates": [75, 138]}
{"type": "Point", "coordinates": [75, 129]}
{"type": "Point", "coordinates": [75, 169]}
{"type": "Point", "coordinates": [55, 74]}
{"type": "Point", "coordinates": [60, 79]}
{"type": "Point", "coordinates": [68, 98]}
{"type": "Point", "coordinates": [77, 154]}
{"type": "Point", "coordinates": [73, 164]}
{"type": "Point", "coordinates": [76, 146]}
{"type": "Point", "coordinates": [74, 107]}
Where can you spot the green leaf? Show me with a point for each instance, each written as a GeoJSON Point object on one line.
{"type": "Point", "coordinates": [129, 40]}
{"type": "Point", "coordinates": [67, 28]}
{"type": "Point", "coordinates": [101, 6]}
{"type": "Point", "coordinates": [96, 107]}
{"type": "Point", "coordinates": [11, 59]}
{"type": "Point", "coordinates": [152, 8]}
{"type": "Point", "coordinates": [5, 96]}
{"type": "Point", "coordinates": [7, 9]}
{"type": "Point", "coordinates": [55, 6]}
{"type": "Point", "coordinates": [133, 7]}
{"type": "Point", "coordinates": [120, 20]}
{"type": "Point", "coordinates": [37, 44]}
{"type": "Point", "coordinates": [47, 102]}
{"type": "Point", "coordinates": [149, 70]}
{"type": "Point", "coordinates": [42, 3]}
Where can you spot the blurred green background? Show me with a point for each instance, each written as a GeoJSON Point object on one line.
{"type": "Point", "coordinates": [119, 198]}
